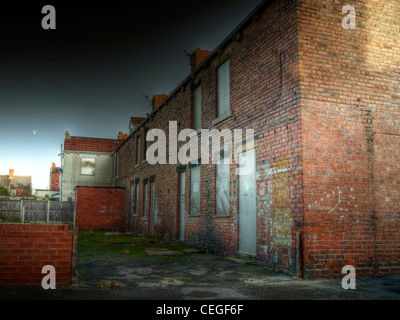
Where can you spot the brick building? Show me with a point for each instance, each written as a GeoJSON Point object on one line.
{"type": "Point", "coordinates": [324, 105]}
{"type": "Point", "coordinates": [17, 186]}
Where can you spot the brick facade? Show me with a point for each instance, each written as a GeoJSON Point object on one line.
{"type": "Point", "coordinates": [323, 102]}
{"type": "Point", "coordinates": [26, 248]}
{"type": "Point", "coordinates": [351, 137]}
{"type": "Point", "coordinates": [99, 208]}
{"type": "Point", "coordinates": [269, 105]}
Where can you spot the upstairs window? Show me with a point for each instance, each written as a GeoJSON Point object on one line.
{"type": "Point", "coordinates": [223, 89]}
{"type": "Point", "coordinates": [197, 108]}
{"type": "Point", "coordinates": [87, 166]}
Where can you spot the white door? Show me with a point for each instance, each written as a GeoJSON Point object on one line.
{"type": "Point", "coordinates": [247, 203]}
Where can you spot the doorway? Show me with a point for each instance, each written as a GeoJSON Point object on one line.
{"type": "Point", "coordinates": [247, 203]}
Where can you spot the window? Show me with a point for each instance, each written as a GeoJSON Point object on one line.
{"type": "Point", "coordinates": [146, 200]}
{"type": "Point", "coordinates": [197, 108]}
{"type": "Point", "coordinates": [222, 188]}
{"type": "Point", "coordinates": [138, 150]}
{"type": "Point", "coordinates": [137, 199]}
{"type": "Point", "coordinates": [195, 191]}
{"type": "Point", "coordinates": [132, 197]}
{"type": "Point", "coordinates": [223, 89]}
{"type": "Point", "coordinates": [87, 166]}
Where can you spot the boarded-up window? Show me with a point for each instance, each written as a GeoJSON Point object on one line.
{"type": "Point", "coordinates": [137, 199]}
{"type": "Point", "coordinates": [197, 108]}
{"type": "Point", "coordinates": [87, 166]}
{"type": "Point", "coordinates": [132, 197]}
{"type": "Point", "coordinates": [146, 199]}
{"type": "Point", "coordinates": [222, 188]}
{"type": "Point", "coordinates": [223, 89]}
{"type": "Point", "coordinates": [195, 191]}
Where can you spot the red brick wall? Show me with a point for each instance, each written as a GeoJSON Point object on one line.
{"type": "Point", "coordinates": [264, 84]}
{"type": "Point", "coordinates": [26, 248]}
{"type": "Point", "coordinates": [324, 104]}
{"type": "Point", "coordinates": [99, 208]}
{"type": "Point", "coordinates": [351, 137]}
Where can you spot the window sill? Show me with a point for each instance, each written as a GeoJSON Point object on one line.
{"type": "Point", "coordinates": [136, 165]}
{"type": "Point", "coordinates": [221, 118]}
{"type": "Point", "coordinates": [222, 216]}
{"type": "Point", "coordinates": [143, 218]}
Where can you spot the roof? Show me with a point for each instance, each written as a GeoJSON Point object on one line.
{"type": "Point", "coordinates": [137, 120]}
{"type": "Point", "coordinates": [90, 144]}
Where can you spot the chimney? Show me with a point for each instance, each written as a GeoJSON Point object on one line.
{"type": "Point", "coordinates": [67, 136]}
{"type": "Point", "coordinates": [197, 57]}
{"type": "Point", "coordinates": [53, 167]}
{"type": "Point", "coordinates": [158, 99]}
{"type": "Point", "coordinates": [11, 174]}
{"type": "Point", "coordinates": [122, 136]}
{"type": "Point", "coordinates": [135, 122]}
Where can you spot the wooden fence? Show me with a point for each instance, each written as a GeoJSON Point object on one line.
{"type": "Point", "coordinates": [50, 212]}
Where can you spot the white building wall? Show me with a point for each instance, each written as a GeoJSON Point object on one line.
{"type": "Point", "coordinates": [72, 177]}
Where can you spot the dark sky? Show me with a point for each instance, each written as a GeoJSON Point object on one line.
{"type": "Point", "coordinates": [90, 74]}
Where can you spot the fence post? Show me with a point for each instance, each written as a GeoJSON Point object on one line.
{"type": "Point", "coordinates": [48, 212]}
{"type": "Point", "coordinates": [23, 215]}
{"type": "Point", "coordinates": [20, 211]}
{"type": "Point", "coordinates": [74, 221]}
{"type": "Point", "coordinates": [299, 253]}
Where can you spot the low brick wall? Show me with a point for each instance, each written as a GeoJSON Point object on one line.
{"type": "Point", "coordinates": [26, 248]}
{"type": "Point", "coordinates": [100, 208]}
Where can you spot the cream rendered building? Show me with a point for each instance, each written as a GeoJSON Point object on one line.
{"type": "Point", "coordinates": [87, 162]}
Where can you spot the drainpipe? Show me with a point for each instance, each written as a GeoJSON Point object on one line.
{"type": "Point", "coordinates": [73, 172]}
{"type": "Point", "coordinates": [299, 256]}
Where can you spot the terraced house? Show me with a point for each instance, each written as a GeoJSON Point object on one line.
{"type": "Point", "coordinates": [323, 101]}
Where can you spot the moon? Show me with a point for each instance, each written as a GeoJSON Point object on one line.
{"type": "Point", "coordinates": [34, 132]}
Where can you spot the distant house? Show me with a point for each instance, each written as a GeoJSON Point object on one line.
{"type": "Point", "coordinates": [17, 186]}
{"type": "Point", "coordinates": [88, 162]}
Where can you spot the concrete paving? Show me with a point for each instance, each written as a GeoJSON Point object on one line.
{"type": "Point", "coordinates": [200, 276]}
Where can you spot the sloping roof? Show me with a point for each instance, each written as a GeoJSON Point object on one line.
{"type": "Point", "coordinates": [90, 144]}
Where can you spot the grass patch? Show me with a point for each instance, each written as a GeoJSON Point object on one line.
{"type": "Point", "coordinates": [97, 243]}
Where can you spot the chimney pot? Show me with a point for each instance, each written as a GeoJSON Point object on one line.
{"type": "Point", "coordinates": [197, 57]}
{"type": "Point", "coordinates": [158, 99]}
